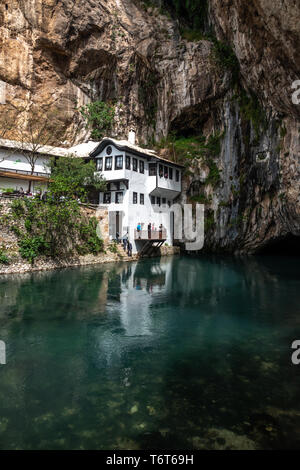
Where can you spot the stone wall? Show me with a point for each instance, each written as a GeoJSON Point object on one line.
{"type": "Point", "coordinates": [8, 239]}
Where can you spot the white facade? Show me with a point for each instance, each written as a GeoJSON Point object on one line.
{"type": "Point", "coordinates": [15, 170]}
{"type": "Point", "coordinates": [141, 188]}
{"type": "Point", "coordinates": [141, 185]}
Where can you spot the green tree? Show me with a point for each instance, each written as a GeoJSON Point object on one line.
{"type": "Point", "coordinates": [99, 117]}
{"type": "Point", "coordinates": [73, 177]}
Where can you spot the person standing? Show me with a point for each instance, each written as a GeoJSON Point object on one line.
{"type": "Point", "coordinates": [139, 228]}
{"type": "Point", "coordinates": [125, 241]}
{"type": "Point", "coordinates": [129, 248]}
{"type": "Point", "coordinates": [149, 230]}
{"type": "Point", "coordinates": [160, 231]}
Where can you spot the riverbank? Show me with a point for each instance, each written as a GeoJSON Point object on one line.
{"type": "Point", "coordinates": [13, 263]}
{"type": "Point", "coordinates": [21, 266]}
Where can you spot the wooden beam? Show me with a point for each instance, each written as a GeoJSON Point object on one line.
{"type": "Point", "coordinates": [19, 176]}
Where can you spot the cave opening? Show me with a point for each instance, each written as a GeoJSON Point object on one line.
{"type": "Point", "coordinates": [286, 246]}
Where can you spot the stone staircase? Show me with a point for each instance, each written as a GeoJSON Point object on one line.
{"type": "Point", "coordinates": [123, 254]}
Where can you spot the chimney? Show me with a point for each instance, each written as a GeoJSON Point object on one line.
{"type": "Point", "coordinates": [131, 136]}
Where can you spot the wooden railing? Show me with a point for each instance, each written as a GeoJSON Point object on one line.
{"type": "Point", "coordinates": [151, 235]}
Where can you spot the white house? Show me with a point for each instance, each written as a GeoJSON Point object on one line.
{"type": "Point", "coordinates": [18, 169]}
{"type": "Point", "coordinates": [141, 187]}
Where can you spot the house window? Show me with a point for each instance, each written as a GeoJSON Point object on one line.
{"type": "Point", "coordinates": [177, 175]}
{"type": "Point", "coordinates": [119, 197]}
{"type": "Point", "coordinates": [152, 199]}
{"type": "Point", "coordinates": [169, 203]}
{"type": "Point", "coordinates": [107, 198]}
{"type": "Point", "coordinates": [142, 199]}
{"type": "Point", "coordinates": [152, 169]}
{"type": "Point", "coordinates": [166, 173]}
{"type": "Point", "coordinates": [99, 164]}
{"type": "Point", "coordinates": [127, 163]}
{"type": "Point", "coordinates": [158, 201]}
{"type": "Point", "coordinates": [134, 164]}
{"type": "Point", "coordinates": [142, 166]}
{"type": "Point", "coordinates": [164, 200]}
{"type": "Point", "coordinates": [170, 173]}
{"type": "Point", "coordinates": [118, 162]}
{"type": "Point", "coordinates": [108, 163]}
{"type": "Point", "coordinates": [160, 171]}
{"type": "Point", "coordinates": [134, 200]}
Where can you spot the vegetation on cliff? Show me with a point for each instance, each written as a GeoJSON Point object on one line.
{"type": "Point", "coordinates": [99, 117]}
{"type": "Point", "coordinates": [195, 150]}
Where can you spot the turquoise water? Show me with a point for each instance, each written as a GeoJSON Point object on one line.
{"type": "Point", "coordinates": [166, 354]}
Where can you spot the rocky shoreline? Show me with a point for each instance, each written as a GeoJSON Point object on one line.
{"type": "Point", "coordinates": [21, 266]}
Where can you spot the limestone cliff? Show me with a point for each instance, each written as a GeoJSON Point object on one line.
{"type": "Point", "coordinates": [76, 51]}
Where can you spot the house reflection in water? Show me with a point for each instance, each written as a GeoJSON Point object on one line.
{"type": "Point", "coordinates": [140, 283]}
{"type": "Point", "coordinates": [132, 292]}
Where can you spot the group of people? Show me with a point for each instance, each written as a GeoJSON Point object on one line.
{"type": "Point", "coordinates": [16, 192]}
{"type": "Point", "coordinates": [151, 228]}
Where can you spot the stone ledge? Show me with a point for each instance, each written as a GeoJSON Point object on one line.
{"type": "Point", "coordinates": [21, 266]}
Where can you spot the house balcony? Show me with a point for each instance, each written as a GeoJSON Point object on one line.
{"type": "Point", "coordinates": [154, 235]}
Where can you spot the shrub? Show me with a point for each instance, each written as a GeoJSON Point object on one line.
{"type": "Point", "coordinates": [17, 207]}
{"type": "Point", "coordinates": [3, 257]}
{"type": "Point", "coordinates": [91, 243]}
{"type": "Point", "coordinates": [187, 149]}
{"type": "Point", "coordinates": [209, 221]}
{"type": "Point", "coordinates": [214, 174]}
{"type": "Point", "coordinates": [32, 247]}
{"type": "Point", "coordinates": [113, 247]}
{"type": "Point", "coordinates": [225, 57]}
{"type": "Point", "coordinates": [201, 199]}
{"type": "Point", "coordinates": [8, 190]}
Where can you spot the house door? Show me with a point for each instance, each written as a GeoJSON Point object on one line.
{"type": "Point", "coordinates": [115, 224]}
{"type": "Point", "coordinates": [172, 226]}
{"type": "Point", "coordinates": [118, 223]}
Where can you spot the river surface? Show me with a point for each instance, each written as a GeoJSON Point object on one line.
{"type": "Point", "coordinates": [171, 353]}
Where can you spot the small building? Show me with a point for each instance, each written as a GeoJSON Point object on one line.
{"type": "Point", "coordinates": [20, 168]}
{"type": "Point", "coordinates": [141, 187]}
{"type": "Point", "coordinates": [23, 168]}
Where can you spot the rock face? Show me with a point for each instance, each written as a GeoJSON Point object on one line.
{"type": "Point", "coordinates": [77, 51]}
